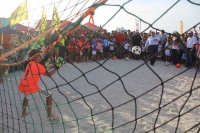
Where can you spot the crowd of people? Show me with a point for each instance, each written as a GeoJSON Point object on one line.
{"type": "Point", "coordinates": [84, 45]}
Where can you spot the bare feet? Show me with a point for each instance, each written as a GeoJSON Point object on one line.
{"type": "Point", "coordinates": [53, 118]}
{"type": "Point", "coordinates": [25, 114]}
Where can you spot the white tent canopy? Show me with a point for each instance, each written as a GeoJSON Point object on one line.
{"type": "Point", "coordinates": [122, 29]}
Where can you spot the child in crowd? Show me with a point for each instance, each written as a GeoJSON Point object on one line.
{"type": "Point", "coordinates": [86, 50]}
{"type": "Point", "coordinates": [168, 47]}
{"type": "Point", "coordinates": [126, 50]}
{"type": "Point", "coordinates": [93, 49]}
{"type": "Point", "coordinates": [71, 48]}
{"type": "Point", "coordinates": [111, 45]}
{"type": "Point", "coordinates": [79, 50]}
{"type": "Point", "coordinates": [28, 84]}
{"type": "Point", "coordinates": [182, 51]}
{"type": "Point", "coordinates": [106, 47]}
{"type": "Point", "coordinates": [130, 49]}
{"type": "Point", "coordinates": [99, 49]}
{"type": "Point", "coordinates": [195, 50]}
{"type": "Point", "coordinates": [143, 51]}
{"type": "Point", "coordinates": [80, 45]}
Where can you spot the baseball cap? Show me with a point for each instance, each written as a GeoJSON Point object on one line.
{"type": "Point", "coordinates": [189, 32]}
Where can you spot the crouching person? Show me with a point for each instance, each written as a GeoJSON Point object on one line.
{"type": "Point", "coordinates": [28, 84]}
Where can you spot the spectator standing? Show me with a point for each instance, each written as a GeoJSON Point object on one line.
{"type": "Point", "coordinates": [119, 38]}
{"type": "Point", "coordinates": [152, 43]}
{"type": "Point", "coordinates": [191, 40]}
{"type": "Point", "coordinates": [136, 41]}
{"type": "Point", "coordinates": [163, 39]}
{"type": "Point", "coordinates": [168, 47]}
{"type": "Point", "coordinates": [175, 47]}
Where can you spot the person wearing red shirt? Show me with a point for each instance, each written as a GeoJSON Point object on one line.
{"type": "Point", "coordinates": [86, 50]}
{"type": "Point", "coordinates": [28, 85]}
{"type": "Point", "coordinates": [79, 50]}
{"type": "Point", "coordinates": [99, 47]}
{"type": "Point", "coordinates": [119, 38]}
{"type": "Point", "coordinates": [71, 48]}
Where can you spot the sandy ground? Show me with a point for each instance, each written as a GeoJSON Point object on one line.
{"type": "Point", "coordinates": [100, 100]}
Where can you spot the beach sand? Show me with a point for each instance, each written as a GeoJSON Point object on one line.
{"type": "Point", "coordinates": [109, 95]}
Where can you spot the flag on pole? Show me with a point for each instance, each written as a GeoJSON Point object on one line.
{"type": "Point", "coordinates": [43, 22]}
{"type": "Point", "coordinates": [55, 19]}
{"type": "Point", "coordinates": [181, 27]}
{"type": "Point", "coordinates": [19, 14]}
{"type": "Point", "coordinates": [1, 38]}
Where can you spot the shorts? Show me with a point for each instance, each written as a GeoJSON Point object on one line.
{"type": "Point", "coordinates": [76, 54]}
{"type": "Point", "coordinates": [85, 52]}
{"type": "Point", "coordinates": [41, 91]}
{"type": "Point", "coordinates": [81, 53]}
{"type": "Point", "coordinates": [94, 52]}
{"type": "Point", "coordinates": [167, 52]}
{"type": "Point", "coordinates": [106, 49]}
{"type": "Point", "coordinates": [126, 51]}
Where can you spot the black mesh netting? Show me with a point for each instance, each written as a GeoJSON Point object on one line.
{"type": "Point", "coordinates": [101, 93]}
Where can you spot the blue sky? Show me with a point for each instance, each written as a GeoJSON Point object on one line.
{"type": "Point", "coordinates": [147, 10]}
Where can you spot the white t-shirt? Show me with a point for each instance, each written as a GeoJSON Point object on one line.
{"type": "Point", "coordinates": [111, 45]}
{"type": "Point", "coordinates": [167, 51]}
{"type": "Point", "coordinates": [175, 45]}
{"type": "Point", "coordinates": [126, 46]}
{"type": "Point", "coordinates": [191, 41]}
{"type": "Point", "coordinates": [152, 40]}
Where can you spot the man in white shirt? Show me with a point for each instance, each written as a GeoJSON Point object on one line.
{"type": "Point", "coordinates": [191, 40]}
{"type": "Point", "coordinates": [152, 43]}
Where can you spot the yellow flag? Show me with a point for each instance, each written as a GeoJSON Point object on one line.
{"type": "Point", "coordinates": [55, 19]}
{"type": "Point", "coordinates": [43, 22]}
{"type": "Point", "coordinates": [19, 14]}
{"type": "Point", "coordinates": [1, 38]}
{"type": "Point", "coordinates": [181, 27]}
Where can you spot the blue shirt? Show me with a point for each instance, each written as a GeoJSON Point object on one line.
{"type": "Point", "coordinates": [105, 43]}
{"type": "Point", "coordinates": [93, 45]}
